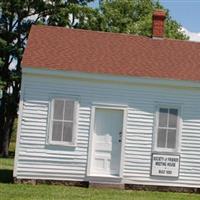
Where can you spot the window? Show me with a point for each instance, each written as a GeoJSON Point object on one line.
{"type": "Point", "coordinates": [63, 122]}
{"type": "Point", "coordinates": [167, 128]}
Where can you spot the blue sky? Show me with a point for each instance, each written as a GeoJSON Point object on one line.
{"type": "Point", "coordinates": [186, 12]}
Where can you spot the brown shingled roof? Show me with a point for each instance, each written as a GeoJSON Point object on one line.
{"type": "Point", "coordinates": [59, 48]}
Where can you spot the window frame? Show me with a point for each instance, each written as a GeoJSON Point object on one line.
{"type": "Point", "coordinates": [156, 126]}
{"type": "Point", "coordinates": [74, 127]}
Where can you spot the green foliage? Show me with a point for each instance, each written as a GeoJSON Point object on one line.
{"type": "Point", "coordinates": [172, 30]}
{"type": "Point", "coordinates": [130, 16]}
{"type": "Point", "coordinates": [70, 14]}
{"type": "Point", "coordinates": [126, 16]}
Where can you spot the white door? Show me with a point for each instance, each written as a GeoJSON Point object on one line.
{"type": "Point", "coordinates": [107, 138]}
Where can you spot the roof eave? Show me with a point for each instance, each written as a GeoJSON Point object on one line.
{"type": "Point", "coordinates": [111, 78]}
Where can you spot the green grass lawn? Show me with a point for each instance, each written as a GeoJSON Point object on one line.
{"type": "Point", "coordinates": [6, 163]}
{"type": "Point", "coordinates": [49, 192]}
{"type": "Point", "coordinates": [9, 191]}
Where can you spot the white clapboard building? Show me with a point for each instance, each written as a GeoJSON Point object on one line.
{"type": "Point", "coordinates": [114, 108]}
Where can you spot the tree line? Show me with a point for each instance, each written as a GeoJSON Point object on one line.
{"type": "Point", "coordinates": [17, 16]}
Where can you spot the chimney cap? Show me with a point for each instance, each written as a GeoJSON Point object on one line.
{"type": "Point", "coordinates": [159, 13]}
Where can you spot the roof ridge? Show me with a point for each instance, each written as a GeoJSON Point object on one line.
{"type": "Point", "coordinates": [93, 31]}
{"type": "Point", "coordinates": [116, 34]}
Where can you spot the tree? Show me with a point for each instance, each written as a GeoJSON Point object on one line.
{"type": "Point", "coordinates": [16, 18]}
{"type": "Point", "coordinates": [72, 16]}
{"type": "Point", "coordinates": [130, 16]}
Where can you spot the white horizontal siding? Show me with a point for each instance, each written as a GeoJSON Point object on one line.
{"type": "Point", "coordinates": [39, 160]}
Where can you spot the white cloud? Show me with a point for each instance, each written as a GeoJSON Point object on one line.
{"type": "Point", "coordinates": [193, 36]}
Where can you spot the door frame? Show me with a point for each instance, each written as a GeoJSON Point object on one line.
{"type": "Point", "coordinates": [91, 143]}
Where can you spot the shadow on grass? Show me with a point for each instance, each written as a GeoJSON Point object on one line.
{"type": "Point", "coordinates": [11, 154]}
{"type": "Point", "coordinates": [6, 168]}
{"type": "Point", "coordinates": [6, 176]}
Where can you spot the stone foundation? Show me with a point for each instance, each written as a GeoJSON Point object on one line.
{"type": "Point", "coordinates": [52, 182]}
{"type": "Point", "coordinates": [107, 185]}
{"type": "Point", "coordinates": [161, 188]}
{"type": "Point", "coordinates": [87, 184]}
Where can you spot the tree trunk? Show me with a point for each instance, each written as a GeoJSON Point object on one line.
{"type": "Point", "coordinates": [9, 108]}
{"type": "Point", "coordinates": [6, 136]}
{"type": "Point", "coordinates": [2, 120]}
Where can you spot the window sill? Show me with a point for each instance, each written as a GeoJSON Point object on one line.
{"type": "Point", "coordinates": [62, 144]}
{"type": "Point", "coordinates": [166, 152]}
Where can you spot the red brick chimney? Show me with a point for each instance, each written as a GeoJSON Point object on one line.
{"type": "Point", "coordinates": [158, 24]}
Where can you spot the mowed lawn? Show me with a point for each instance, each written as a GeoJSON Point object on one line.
{"type": "Point", "coordinates": [48, 192]}
{"type": "Point", "coordinates": [9, 191]}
